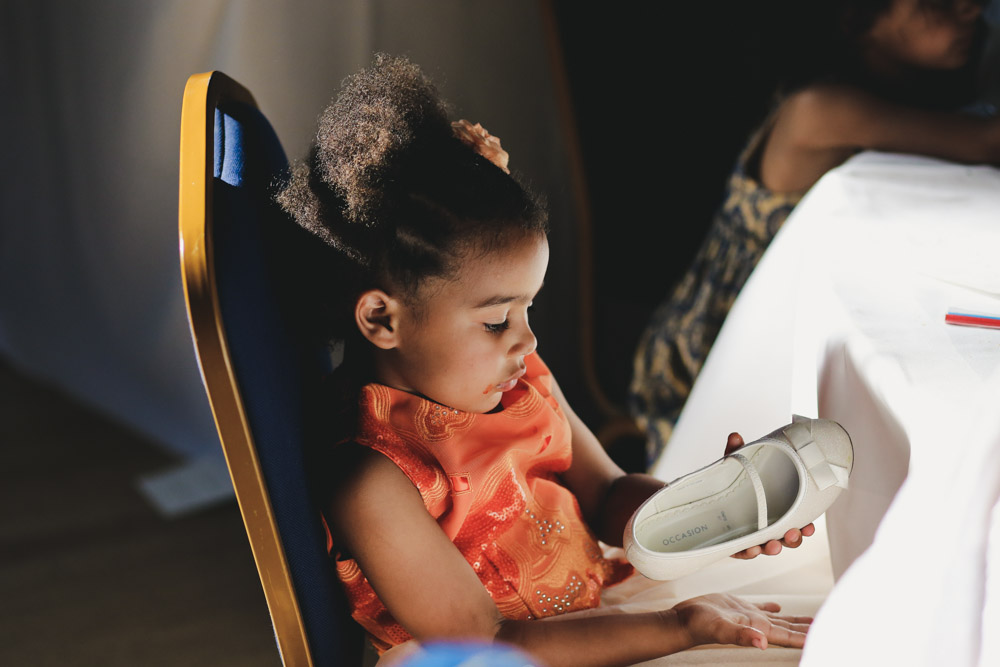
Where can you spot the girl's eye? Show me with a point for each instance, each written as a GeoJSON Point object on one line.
{"type": "Point", "coordinates": [497, 328]}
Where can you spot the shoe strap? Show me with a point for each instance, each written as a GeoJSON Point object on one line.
{"type": "Point", "coordinates": [758, 487]}
{"type": "Point", "coordinates": [824, 473]}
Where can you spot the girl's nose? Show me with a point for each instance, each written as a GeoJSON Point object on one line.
{"type": "Point", "coordinates": [525, 343]}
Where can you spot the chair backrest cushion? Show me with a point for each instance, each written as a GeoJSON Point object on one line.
{"type": "Point", "coordinates": [272, 367]}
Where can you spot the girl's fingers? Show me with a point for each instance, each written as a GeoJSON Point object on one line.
{"type": "Point", "coordinates": [785, 637]}
{"type": "Point", "coordinates": [753, 637]}
{"type": "Point", "coordinates": [772, 548]}
{"type": "Point", "coordinates": [781, 630]}
{"type": "Point", "coordinates": [793, 620]}
{"type": "Point", "coordinates": [789, 625]}
{"type": "Point", "coordinates": [773, 608]}
{"type": "Point", "coordinates": [747, 554]}
{"type": "Point", "coordinates": [793, 538]}
{"type": "Point", "coordinates": [801, 628]}
{"type": "Point", "coordinates": [741, 634]}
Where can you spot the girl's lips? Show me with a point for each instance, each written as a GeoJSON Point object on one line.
{"type": "Point", "coordinates": [511, 383]}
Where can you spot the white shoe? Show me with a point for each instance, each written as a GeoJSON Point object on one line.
{"type": "Point", "coordinates": [785, 480]}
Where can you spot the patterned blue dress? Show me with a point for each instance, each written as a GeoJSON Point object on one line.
{"type": "Point", "coordinates": [673, 347]}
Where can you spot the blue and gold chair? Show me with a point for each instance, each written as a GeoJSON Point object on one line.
{"type": "Point", "coordinates": [256, 373]}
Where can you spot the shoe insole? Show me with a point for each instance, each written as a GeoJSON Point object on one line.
{"type": "Point", "coordinates": [728, 514]}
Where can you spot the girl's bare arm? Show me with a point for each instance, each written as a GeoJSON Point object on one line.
{"type": "Point", "coordinates": [378, 518]}
{"type": "Point", "coordinates": [607, 496]}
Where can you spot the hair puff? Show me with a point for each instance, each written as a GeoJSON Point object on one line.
{"type": "Point", "coordinates": [364, 136]}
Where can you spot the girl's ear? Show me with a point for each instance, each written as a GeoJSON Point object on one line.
{"type": "Point", "coordinates": [377, 316]}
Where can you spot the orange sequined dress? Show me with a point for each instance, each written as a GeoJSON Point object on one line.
{"type": "Point", "coordinates": [491, 482]}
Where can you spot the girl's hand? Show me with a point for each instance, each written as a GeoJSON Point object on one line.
{"type": "Point", "coordinates": [481, 141]}
{"type": "Point", "coordinates": [792, 539]}
{"type": "Point", "coordinates": [724, 619]}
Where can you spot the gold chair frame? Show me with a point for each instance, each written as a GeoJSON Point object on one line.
{"type": "Point", "coordinates": [202, 94]}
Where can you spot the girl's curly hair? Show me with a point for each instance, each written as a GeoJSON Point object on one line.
{"type": "Point", "coordinates": [394, 192]}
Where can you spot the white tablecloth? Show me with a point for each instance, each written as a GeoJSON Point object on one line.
{"type": "Point", "coordinates": [844, 319]}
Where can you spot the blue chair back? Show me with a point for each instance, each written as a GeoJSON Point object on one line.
{"type": "Point", "coordinates": [259, 374]}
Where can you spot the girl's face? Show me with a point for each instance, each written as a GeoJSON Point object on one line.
{"type": "Point", "coordinates": [909, 34]}
{"type": "Point", "coordinates": [464, 344]}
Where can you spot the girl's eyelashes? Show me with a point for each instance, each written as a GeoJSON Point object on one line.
{"type": "Point", "coordinates": [500, 327]}
{"type": "Point", "coordinates": [503, 326]}
{"type": "Point", "coordinates": [497, 328]}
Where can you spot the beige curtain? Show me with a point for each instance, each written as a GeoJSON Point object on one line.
{"type": "Point", "coordinates": [90, 291]}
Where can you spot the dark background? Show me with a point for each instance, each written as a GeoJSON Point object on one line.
{"type": "Point", "coordinates": [663, 102]}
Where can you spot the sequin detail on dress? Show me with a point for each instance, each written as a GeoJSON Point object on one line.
{"type": "Point", "coordinates": [490, 481]}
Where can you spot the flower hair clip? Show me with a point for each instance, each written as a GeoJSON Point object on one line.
{"type": "Point", "coordinates": [478, 139]}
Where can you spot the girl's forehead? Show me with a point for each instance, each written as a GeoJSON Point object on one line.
{"type": "Point", "coordinates": [513, 271]}
{"type": "Point", "coordinates": [500, 263]}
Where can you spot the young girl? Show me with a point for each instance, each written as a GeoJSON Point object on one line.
{"type": "Point", "coordinates": [875, 75]}
{"type": "Point", "coordinates": [470, 498]}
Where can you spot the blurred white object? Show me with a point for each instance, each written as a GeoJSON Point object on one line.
{"type": "Point", "coordinates": [844, 318]}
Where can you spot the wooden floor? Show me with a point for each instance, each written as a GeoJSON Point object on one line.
{"type": "Point", "coordinates": [89, 573]}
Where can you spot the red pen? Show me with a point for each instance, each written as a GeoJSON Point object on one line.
{"type": "Point", "coordinates": [969, 319]}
